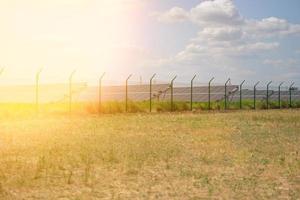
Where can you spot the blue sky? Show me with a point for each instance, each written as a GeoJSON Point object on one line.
{"type": "Point", "coordinates": [287, 9]}
{"type": "Point", "coordinates": [278, 63]}
{"type": "Point", "coordinates": [241, 39]}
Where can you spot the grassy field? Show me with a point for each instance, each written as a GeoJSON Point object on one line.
{"type": "Point", "coordinates": [9, 110]}
{"type": "Point", "coordinates": [233, 155]}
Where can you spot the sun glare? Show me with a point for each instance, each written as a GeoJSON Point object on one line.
{"type": "Point", "coordinates": [60, 35]}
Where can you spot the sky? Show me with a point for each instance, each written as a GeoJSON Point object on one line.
{"type": "Point", "coordinates": [255, 40]}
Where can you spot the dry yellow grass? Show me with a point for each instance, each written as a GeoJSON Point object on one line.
{"type": "Point", "coordinates": [236, 155]}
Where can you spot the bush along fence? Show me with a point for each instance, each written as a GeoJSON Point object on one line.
{"type": "Point", "coordinates": [158, 97]}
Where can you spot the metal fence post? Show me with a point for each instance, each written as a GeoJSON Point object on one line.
{"type": "Point", "coordinates": [37, 79]}
{"type": "Point", "coordinates": [150, 98]}
{"type": "Point", "coordinates": [192, 82]}
{"type": "Point", "coordinates": [226, 94]}
{"type": "Point", "coordinates": [290, 94]}
{"type": "Point", "coordinates": [241, 93]}
{"type": "Point", "coordinates": [279, 95]}
{"type": "Point", "coordinates": [268, 94]}
{"type": "Point", "coordinates": [126, 95]}
{"type": "Point", "coordinates": [70, 91]}
{"type": "Point", "coordinates": [172, 84]}
{"type": "Point", "coordinates": [254, 96]}
{"type": "Point", "coordinates": [209, 83]}
{"type": "Point", "coordinates": [100, 94]}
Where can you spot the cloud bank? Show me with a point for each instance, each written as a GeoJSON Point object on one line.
{"type": "Point", "coordinates": [225, 38]}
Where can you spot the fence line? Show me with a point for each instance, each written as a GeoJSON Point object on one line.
{"type": "Point", "coordinates": [196, 97]}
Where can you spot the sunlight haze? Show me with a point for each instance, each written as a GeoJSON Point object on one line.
{"type": "Point", "coordinates": [221, 38]}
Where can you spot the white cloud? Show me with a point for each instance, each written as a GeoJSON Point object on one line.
{"type": "Point", "coordinates": [271, 26]}
{"type": "Point", "coordinates": [290, 63]}
{"type": "Point", "coordinates": [228, 44]}
{"type": "Point", "coordinates": [221, 33]}
{"type": "Point", "coordinates": [262, 46]}
{"type": "Point", "coordinates": [212, 13]}
{"type": "Point", "coordinates": [226, 50]}
{"type": "Point", "coordinates": [225, 36]}
{"type": "Point", "coordinates": [223, 15]}
{"type": "Point", "coordinates": [215, 13]}
{"type": "Point", "coordinates": [175, 14]}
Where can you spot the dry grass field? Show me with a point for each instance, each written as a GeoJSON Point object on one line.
{"type": "Point", "coordinates": [234, 155]}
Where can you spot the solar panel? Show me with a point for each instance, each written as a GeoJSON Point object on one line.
{"type": "Point", "coordinates": [160, 92]}
{"type": "Point", "coordinates": [137, 92]}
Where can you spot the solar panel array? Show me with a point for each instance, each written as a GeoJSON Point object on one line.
{"type": "Point", "coordinates": [137, 92]}
{"type": "Point", "coordinates": [262, 95]}
{"type": "Point", "coordinates": [160, 92]}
